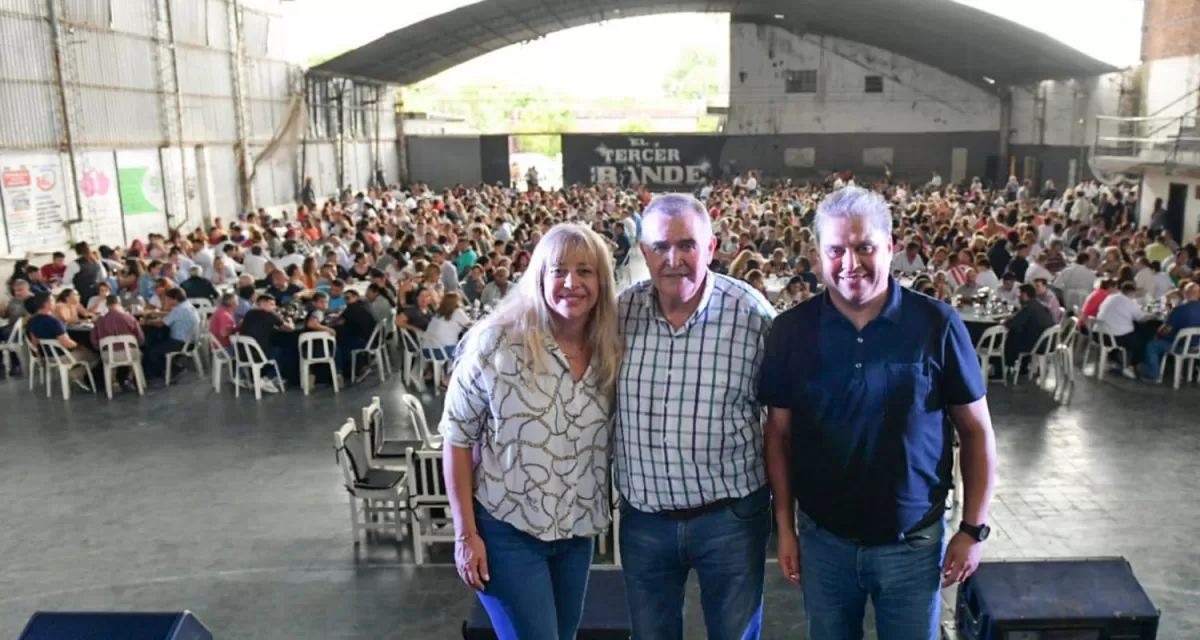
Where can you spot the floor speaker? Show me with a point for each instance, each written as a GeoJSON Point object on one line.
{"type": "Point", "coordinates": [605, 614]}
{"type": "Point", "coordinates": [54, 625]}
{"type": "Point", "coordinates": [1060, 599]}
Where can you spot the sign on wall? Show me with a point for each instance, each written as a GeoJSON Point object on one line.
{"type": "Point", "coordinates": [35, 201]}
{"type": "Point", "coordinates": [143, 203]}
{"type": "Point", "coordinates": [656, 161]}
{"type": "Point", "coordinates": [99, 197]}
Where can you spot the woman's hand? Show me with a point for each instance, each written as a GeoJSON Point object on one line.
{"type": "Point", "coordinates": [470, 558]}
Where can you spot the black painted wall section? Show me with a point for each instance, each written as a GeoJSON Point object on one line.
{"type": "Point", "coordinates": [445, 161]}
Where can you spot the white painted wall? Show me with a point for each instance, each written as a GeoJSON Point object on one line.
{"type": "Point", "coordinates": [1070, 110]}
{"type": "Point", "coordinates": [1167, 81]}
{"type": "Point", "coordinates": [916, 98]}
{"type": "Point", "coordinates": [1156, 184]}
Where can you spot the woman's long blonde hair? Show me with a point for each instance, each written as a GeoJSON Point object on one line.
{"type": "Point", "coordinates": [523, 313]}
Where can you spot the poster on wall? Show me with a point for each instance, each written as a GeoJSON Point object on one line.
{"type": "Point", "coordinates": [35, 202]}
{"type": "Point", "coordinates": [143, 202]}
{"type": "Point", "coordinates": [100, 199]}
{"type": "Point", "coordinates": [659, 162]}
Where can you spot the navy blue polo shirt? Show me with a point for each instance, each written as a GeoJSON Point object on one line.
{"type": "Point", "coordinates": [871, 451]}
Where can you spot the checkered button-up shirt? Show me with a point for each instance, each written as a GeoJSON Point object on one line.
{"type": "Point", "coordinates": [688, 425]}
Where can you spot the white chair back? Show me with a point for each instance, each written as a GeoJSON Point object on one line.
{"type": "Point", "coordinates": [411, 341]}
{"type": "Point", "coordinates": [126, 354]}
{"type": "Point", "coordinates": [1187, 342]}
{"type": "Point", "coordinates": [992, 340]}
{"type": "Point", "coordinates": [17, 337]}
{"type": "Point", "coordinates": [375, 341]}
{"type": "Point", "coordinates": [372, 420]}
{"type": "Point", "coordinates": [204, 306]}
{"type": "Point", "coordinates": [1047, 342]}
{"type": "Point", "coordinates": [417, 411]}
{"type": "Point", "coordinates": [308, 342]}
{"type": "Point", "coordinates": [218, 352]}
{"type": "Point", "coordinates": [57, 353]}
{"type": "Point", "coordinates": [426, 485]}
{"type": "Point", "coordinates": [246, 350]}
{"type": "Point", "coordinates": [350, 452]}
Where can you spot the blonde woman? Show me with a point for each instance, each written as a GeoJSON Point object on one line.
{"type": "Point", "coordinates": [531, 400]}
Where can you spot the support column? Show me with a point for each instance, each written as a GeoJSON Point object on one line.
{"type": "Point", "coordinates": [1006, 113]}
{"type": "Point", "coordinates": [237, 57]}
{"type": "Point", "coordinates": [70, 109]}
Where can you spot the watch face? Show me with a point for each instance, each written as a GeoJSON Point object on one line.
{"type": "Point", "coordinates": [984, 532]}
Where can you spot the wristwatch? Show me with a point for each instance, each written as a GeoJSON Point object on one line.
{"type": "Point", "coordinates": [980, 533]}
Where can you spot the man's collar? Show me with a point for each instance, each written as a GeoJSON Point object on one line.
{"type": "Point", "coordinates": [706, 295]}
{"type": "Point", "coordinates": [891, 306]}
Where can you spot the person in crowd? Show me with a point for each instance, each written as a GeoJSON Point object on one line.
{"type": "Point", "coordinates": [858, 382]}
{"type": "Point", "coordinates": [14, 310]}
{"type": "Point", "coordinates": [224, 323]}
{"type": "Point", "coordinates": [709, 510]}
{"type": "Point", "coordinates": [474, 284]}
{"type": "Point", "coordinates": [1048, 297]}
{"type": "Point", "coordinates": [496, 289]}
{"type": "Point", "coordinates": [1091, 306]}
{"type": "Point", "coordinates": [281, 290]}
{"type": "Point", "coordinates": [1026, 325]}
{"type": "Point", "coordinates": [1119, 315]}
{"type": "Point", "coordinates": [1184, 316]}
{"type": "Point", "coordinates": [910, 260]}
{"type": "Point", "coordinates": [98, 305]}
{"type": "Point", "coordinates": [793, 294]}
{"type": "Point", "coordinates": [445, 327]}
{"type": "Point", "coordinates": [448, 272]}
{"type": "Point", "coordinates": [182, 322]}
{"type": "Point", "coordinates": [260, 325]}
{"type": "Point", "coordinates": [354, 327]}
{"type": "Point", "coordinates": [114, 322]}
{"type": "Point", "coordinates": [43, 326]}
{"type": "Point", "coordinates": [550, 350]}
{"type": "Point", "coordinates": [196, 286]}
{"type": "Point", "coordinates": [417, 316]}
{"type": "Point", "coordinates": [54, 271]}
{"type": "Point", "coordinates": [69, 309]}
{"type": "Point", "coordinates": [970, 287]}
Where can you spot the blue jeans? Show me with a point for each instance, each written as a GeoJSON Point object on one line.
{"type": "Point", "coordinates": [903, 581]}
{"type": "Point", "coordinates": [726, 547]}
{"type": "Point", "coordinates": [1156, 350]}
{"type": "Point", "coordinates": [536, 588]}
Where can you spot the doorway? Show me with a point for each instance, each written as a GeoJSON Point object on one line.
{"type": "Point", "coordinates": [540, 152]}
{"type": "Point", "coordinates": [1176, 205]}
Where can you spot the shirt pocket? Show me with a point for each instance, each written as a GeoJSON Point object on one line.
{"type": "Point", "coordinates": [909, 390]}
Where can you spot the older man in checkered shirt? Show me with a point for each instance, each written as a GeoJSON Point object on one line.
{"type": "Point", "coordinates": [688, 440]}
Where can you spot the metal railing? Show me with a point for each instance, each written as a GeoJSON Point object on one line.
{"type": "Point", "coordinates": [1158, 139]}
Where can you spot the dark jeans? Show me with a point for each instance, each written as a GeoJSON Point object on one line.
{"type": "Point", "coordinates": [536, 588]}
{"type": "Point", "coordinates": [346, 344]}
{"type": "Point", "coordinates": [726, 547]}
{"type": "Point", "coordinates": [903, 581]}
{"type": "Point", "coordinates": [154, 359]}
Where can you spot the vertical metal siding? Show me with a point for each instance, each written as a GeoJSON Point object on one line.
{"type": "Point", "coordinates": [114, 60]}
{"type": "Point", "coordinates": [26, 49]}
{"type": "Point", "coordinates": [134, 16]}
{"type": "Point", "coordinates": [26, 7]}
{"type": "Point", "coordinates": [223, 167]}
{"type": "Point", "coordinates": [254, 32]}
{"type": "Point", "coordinates": [208, 119]}
{"type": "Point", "coordinates": [204, 71]}
{"type": "Point", "coordinates": [92, 13]}
{"type": "Point", "coordinates": [218, 24]}
{"type": "Point", "coordinates": [190, 21]}
{"type": "Point", "coordinates": [29, 116]}
{"type": "Point", "coordinates": [119, 118]}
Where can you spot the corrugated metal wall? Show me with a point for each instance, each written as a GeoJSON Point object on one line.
{"type": "Point", "coordinates": [116, 81]}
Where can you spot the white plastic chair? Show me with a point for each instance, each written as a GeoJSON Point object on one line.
{"type": "Point", "coordinates": [368, 487]}
{"type": "Point", "coordinates": [188, 350]}
{"type": "Point", "coordinates": [308, 358]}
{"type": "Point", "coordinates": [410, 368]}
{"type": "Point", "coordinates": [429, 502]}
{"type": "Point", "coordinates": [37, 365]}
{"type": "Point", "coordinates": [14, 347]}
{"type": "Point", "coordinates": [57, 356]}
{"type": "Point", "coordinates": [991, 345]}
{"type": "Point", "coordinates": [1063, 363]}
{"type": "Point", "coordinates": [204, 306]}
{"type": "Point", "coordinates": [1039, 357]}
{"type": "Point", "coordinates": [1105, 342]}
{"type": "Point", "coordinates": [438, 359]}
{"type": "Point", "coordinates": [247, 355]}
{"type": "Point", "coordinates": [1185, 350]}
{"type": "Point", "coordinates": [221, 360]}
{"type": "Point", "coordinates": [374, 351]}
{"type": "Point", "coordinates": [128, 355]}
{"type": "Point", "coordinates": [433, 440]}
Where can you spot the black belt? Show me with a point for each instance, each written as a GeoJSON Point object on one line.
{"type": "Point", "coordinates": [696, 512]}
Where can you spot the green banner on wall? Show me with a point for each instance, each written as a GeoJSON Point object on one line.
{"type": "Point", "coordinates": [141, 190]}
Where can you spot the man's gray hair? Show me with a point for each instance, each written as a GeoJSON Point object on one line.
{"type": "Point", "coordinates": [677, 204]}
{"type": "Point", "coordinates": [855, 202]}
{"type": "Point", "coordinates": [196, 270]}
{"type": "Point", "coordinates": [229, 299]}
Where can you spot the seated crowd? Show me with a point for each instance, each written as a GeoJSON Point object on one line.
{"type": "Point", "coordinates": [347, 266]}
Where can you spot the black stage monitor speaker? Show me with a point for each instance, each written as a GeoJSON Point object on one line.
{"type": "Point", "coordinates": [1067, 599]}
{"type": "Point", "coordinates": [605, 614]}
{"type": "Point", "coordinates": [51, 625]}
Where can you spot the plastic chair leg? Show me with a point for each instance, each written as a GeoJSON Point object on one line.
{"type": "Point", "coordinates": [333, 376]}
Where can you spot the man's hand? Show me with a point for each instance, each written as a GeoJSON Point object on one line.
{"type": "Point", "coordinates": [789, 556]}
{"type": "Point", "coordinates": [962, 559]}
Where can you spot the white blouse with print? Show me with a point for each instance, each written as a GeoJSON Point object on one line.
{"type": "Point", "coordinates": [542, 441]}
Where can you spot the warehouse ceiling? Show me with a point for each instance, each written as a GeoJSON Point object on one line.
{"type": "Point", "coordinates": [976, 46]}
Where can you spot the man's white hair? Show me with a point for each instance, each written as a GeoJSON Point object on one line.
{"type": "Point", "coordinates": [677, 204]}
{"type": "Point", "coordinates": [855, 202]}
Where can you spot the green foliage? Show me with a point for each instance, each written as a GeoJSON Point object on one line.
{"type": "Point", "coordinates": [708, 124]}
{"type": "Point", "coordinates": [324, 57]}
{"type": "Point", "coordinates": [696, 77]}
{"type": "Point", "coordinates": [640, 125]}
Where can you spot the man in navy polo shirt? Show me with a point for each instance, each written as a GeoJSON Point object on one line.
{"type": "Point", "coordinates": [858, 381]}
